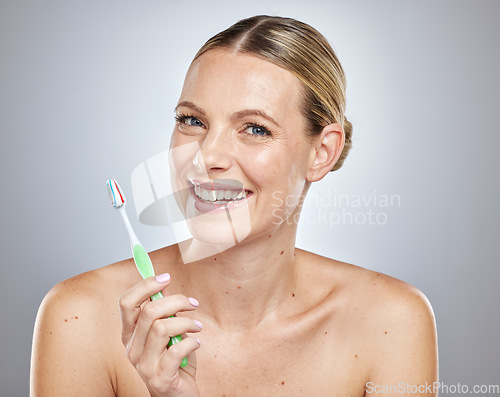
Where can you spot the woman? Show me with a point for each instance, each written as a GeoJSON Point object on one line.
{"type": "Point", "coordinates": [260, 117]}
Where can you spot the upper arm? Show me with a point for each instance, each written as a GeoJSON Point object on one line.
{"type": "Point", "coordinates": [69, 353]}
{"type": "Point", "coordinates": [406, 357]}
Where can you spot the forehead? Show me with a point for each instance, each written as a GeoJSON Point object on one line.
{"type": "Point", "coordinates": [230, 81]}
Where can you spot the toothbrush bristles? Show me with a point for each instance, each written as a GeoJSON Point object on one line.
{"type": "Point", "coordinates": [115, 193]}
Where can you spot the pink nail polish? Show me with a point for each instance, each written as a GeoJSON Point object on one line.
{"type": "Point", "coordinates": [198, 324]}
{"type": "Point", "coordinates": [194, 302]}
{"type": "Point", "coordinates": [163, 278]}
{"type": "Point", "coordinates": [197, 340]}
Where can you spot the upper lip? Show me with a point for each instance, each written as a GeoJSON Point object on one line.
{"type": "Point", "coordinates": [225, 184]}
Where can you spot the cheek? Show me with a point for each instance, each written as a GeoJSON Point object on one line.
{"type": "Point", "coordinates": [181, 153]}
{"type": "Point", "coordinates": [279, 165]}
{"type": "Point", "coordinates": [181, 157]}
{"type": "Point", "coordinates": [286, 180]}
{"type": "Point", "coordinates": [262, 167]}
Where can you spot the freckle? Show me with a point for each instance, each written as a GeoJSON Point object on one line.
{"type": "Point", "coordinates": [269, 236]}
{"type": "Point", "coordinates": [50, 333]}
{"type": "Point", "coordinates": [378, 274]}
{"type": "Point", "coordinates": [282, 382]}
{"type": "Point", "coordinates": [386, 332]}
{"type": "Point", "coordinates": [356, 356]}
{"type": "Point", "coordinates": [282, 252]}
{"type": "Point", "coordinates": [293, 295]}
{"type": "Point", "coordinates": [215, 355]}
{"type": "Point", "coordinates": [76, 317]}
{"type": "Point", "coordinates": [239, 286]}
{"type": "Point", "coordinates": [65, 320]}
{"type": "Point", "coordinates": [227, 292]}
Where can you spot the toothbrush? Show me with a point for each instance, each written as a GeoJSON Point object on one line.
{"type": "Point", "coordinates": [141, 257]}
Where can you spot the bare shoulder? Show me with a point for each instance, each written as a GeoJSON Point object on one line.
{"type": "Point", "coordinates": [392, 320]}
{"type": "Point", "coordinates": [369, 291]}
{"type": "Point", "coordinates": [94, 295]}
{"type": "Point", "coordinates": [77, 347]}
{"type": "Point", "coordinates": [88, 295]}
{"type": "Point", "coordinates": [77, 334]}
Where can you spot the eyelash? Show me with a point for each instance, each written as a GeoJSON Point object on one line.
{"type": "Point", "coordinates": [179, 118]}
{"type": "Point", "coordinates": [266, 131]}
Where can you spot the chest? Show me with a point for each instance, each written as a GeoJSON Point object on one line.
{"type": "Point", "coordinates": [269, 365]}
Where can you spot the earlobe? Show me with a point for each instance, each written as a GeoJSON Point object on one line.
{"type": "Point", "coordinates": [326, 151]}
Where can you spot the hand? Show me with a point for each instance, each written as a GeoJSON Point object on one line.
{"type": "Point", "coordinates": [146, 330]}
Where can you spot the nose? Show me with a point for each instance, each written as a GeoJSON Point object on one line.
{"type": "Point", "coordinates": [214, 154]}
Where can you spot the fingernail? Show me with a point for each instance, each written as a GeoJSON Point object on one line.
{"type": "Point", "coordinates": [163, 278]}
{"type": "Point", "coordinates": [197, 340]}
{"type": "Point", "coordinates": [194, 302]}
{"type": "Point", "coordinates": [198, 324]}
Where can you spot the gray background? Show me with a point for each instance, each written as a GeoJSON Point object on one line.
{"type": "Point", "coordinates": [87, 93]}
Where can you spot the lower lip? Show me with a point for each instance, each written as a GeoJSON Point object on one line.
{"type": "Point", "coordinates": [205, 206]}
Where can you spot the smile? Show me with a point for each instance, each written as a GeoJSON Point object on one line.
{"type": "Point", "coordinates": [218, 195]}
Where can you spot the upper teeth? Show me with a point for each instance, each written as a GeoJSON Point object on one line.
{"type": "Point", "coordinates": [217, 195]}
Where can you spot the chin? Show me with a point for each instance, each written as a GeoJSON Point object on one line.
{"type": "Point", "coordinates": [221, 228]}
{"type": "Point", "coordinates": [210, 232]}
{"type": "Point", "coordinates": [210, 237]}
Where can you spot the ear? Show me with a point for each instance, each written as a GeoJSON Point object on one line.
{"type": "Point", "coordinates": [325, 151]}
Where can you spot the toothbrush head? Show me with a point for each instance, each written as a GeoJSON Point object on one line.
{"type": "Point", "coordinates": [115, 193]}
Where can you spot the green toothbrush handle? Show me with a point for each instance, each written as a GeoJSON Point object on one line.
{"type": "Point", "coordinates": [145, 267]}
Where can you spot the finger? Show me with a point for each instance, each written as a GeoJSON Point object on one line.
{"type": "Point", "coordinates": [172, 358]}
{"type": "Point", "coordinates": [160, 309]}
{"type": "Point", "coordinates": [191, 357]}
{"type": "Point", "coordinates": [161, 332]}
{"type": "Point", "coordinates": [132, 299]}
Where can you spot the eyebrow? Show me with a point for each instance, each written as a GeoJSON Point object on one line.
{"type": "Point", "coordinates": [253, 112]}
{"type": "Point", "coordinates": [235, 116]}
{"type": "Point", "coordinates": [190, 105]}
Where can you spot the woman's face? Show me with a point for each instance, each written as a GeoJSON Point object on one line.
{"type": "Point", "coordinates": [239, 152]}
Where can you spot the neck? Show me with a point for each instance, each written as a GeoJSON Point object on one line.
{"type": "Point", "coordinates": [245, 284]}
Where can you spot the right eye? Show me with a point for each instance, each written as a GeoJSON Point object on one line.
{"type": "Point", "coordinates": [193, 121]}
{"type": "Point", "coordinates": [188, 120]}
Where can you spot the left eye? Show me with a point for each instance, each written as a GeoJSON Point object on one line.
{"type": "Point", "coordinates": [193, 121]}
{"type": "Point", "coordinates": [257, 130]}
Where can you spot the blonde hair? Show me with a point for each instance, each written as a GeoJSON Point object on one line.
{"type": "Point", "coordinates": [303, 51]}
